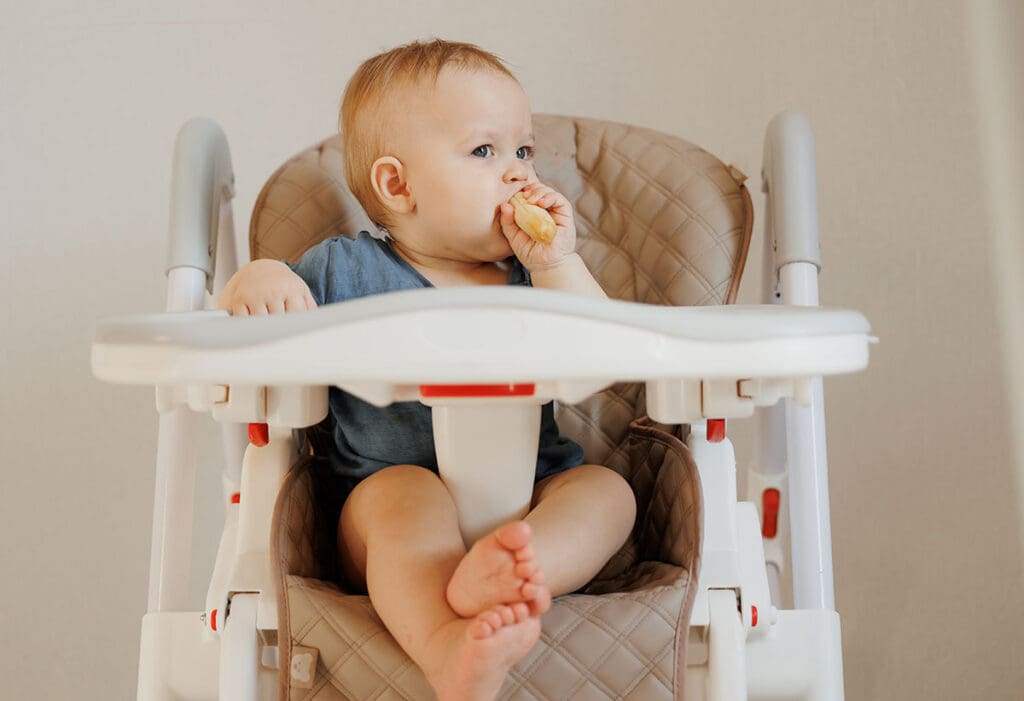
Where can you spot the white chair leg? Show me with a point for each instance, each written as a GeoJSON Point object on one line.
{"type": "Point", "coordinates": [176, 661]}
{"type": "Point", "coordinates": [239, 650]}
{"type": "Point", "coordinates": [727, 675]}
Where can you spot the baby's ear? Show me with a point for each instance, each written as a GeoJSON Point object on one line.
{"type": "Point", "coordinates": [387, 174]}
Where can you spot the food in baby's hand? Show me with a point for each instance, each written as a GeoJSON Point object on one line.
{"type": "Point", "coordinates": [532, 219]}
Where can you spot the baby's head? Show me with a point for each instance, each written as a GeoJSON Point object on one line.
{"type": "Point", "coordinates": [436, 136]}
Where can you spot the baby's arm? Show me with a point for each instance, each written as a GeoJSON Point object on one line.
{"type": "Point", "coordinates": [569, 275]}
{"type": "Point", "coordinates": [554, 265]}
{"type": "Point", "coordinates": [265, 287]}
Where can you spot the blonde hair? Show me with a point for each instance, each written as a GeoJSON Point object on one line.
{"type": "Point", "coordinates": [364, 119]}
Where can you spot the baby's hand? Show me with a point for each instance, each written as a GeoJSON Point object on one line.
{"type": "Point", "coordinates": [535, 255]}
{"type": "Point", "coordinates": [265, 287]}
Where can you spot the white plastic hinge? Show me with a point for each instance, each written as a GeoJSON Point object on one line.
{"type": "Point", "coordinates": [674, 401]}
{"type": "Point", "coordinates": [722, 399]}
{"type": "Point", "coordinates": [296, 407]}
{"type": "Point", "coordinates": [243, 404]}
{"type": "Point", "coordinates": [204, 397]}
{"type": "Point", "coordinates": [766, 391]}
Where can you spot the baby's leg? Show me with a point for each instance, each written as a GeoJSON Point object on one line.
{"type": "Point", "coordinates": [399, 534]}
{"type": "Point", "coordinates": [580, 518]}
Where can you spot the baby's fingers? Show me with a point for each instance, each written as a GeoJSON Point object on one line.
{"type": "Point", "coordinates": [552, 200]}
{"type": "Point", "coordinates": [549, 199]}
{"type": "Point", "coordinates": [541, 196]}
{"type": "Point", "coordinates": [299, 303]}
{"type": "Point", "coordinates": [508, 223]}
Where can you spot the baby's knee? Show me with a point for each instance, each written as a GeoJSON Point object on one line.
{"type": "Point", "coordinates": [617, 487]}
{"type": "Point", "coordinates": [603, 474]}
{"type": "Point", "coordinates": [394, 480]}
{"type": "Point", "coordinates": [604, 483]}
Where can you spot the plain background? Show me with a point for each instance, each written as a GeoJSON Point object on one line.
{"type": "Point", "coordinates": [917, 116]}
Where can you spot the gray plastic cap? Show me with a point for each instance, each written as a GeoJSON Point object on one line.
{"type": "Point", "coordinates": [201, 179]}
{"type": "Point", "coordinates": [790, 181]}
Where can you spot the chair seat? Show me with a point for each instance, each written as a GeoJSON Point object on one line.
{"type": "Point", "coordinates": [612, 646]}
{"type": "Point", "coordinates": [623, 636]}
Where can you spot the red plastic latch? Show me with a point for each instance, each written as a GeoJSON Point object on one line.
{"type": "Point", "coordinates": [770, 510]}
{"type": "Point", "coordinates": [213, 619]}
{"type": "Point", "coordinates": [716, 430]}
{"type": "Point", "coordinates": [507, 390]}
{"type": "Point", "coordinates": [259, 435]}
{"type": "Point", "coordinates": [753, 616]}
{"type": "Point", "coordinates": [236, 498]}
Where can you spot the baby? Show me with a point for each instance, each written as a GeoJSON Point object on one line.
{"type": "Point", "coordinates": [438, 138]}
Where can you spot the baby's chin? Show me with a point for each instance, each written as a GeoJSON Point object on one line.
{"type": "Point", "coordinates": [498, 250]}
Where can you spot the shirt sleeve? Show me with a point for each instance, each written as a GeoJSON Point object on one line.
{"type": "Point", "coordinates": [315, 269]}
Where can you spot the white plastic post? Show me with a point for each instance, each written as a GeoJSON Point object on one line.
{"type": "Point", "coordinates": [170, 559]}
{"type": "Point", "coordinates": [809, 512]}
{"type": "Point", "coordinates": [790, 183]}
{"type": "Point", "coordinates": [768, 469]}
{"type": "Point", "coordinates": [727, 669]}
{"type": "Point", "coordinates": [239, 651]}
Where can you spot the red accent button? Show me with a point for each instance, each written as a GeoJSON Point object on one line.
{"type": "Point", "coordinates": [509, 390]}
{"type": "Point", "coordinates": [770, 509]}
{"type": "Point", "coordinates": [716, 430]}
{"type": "Point", "coordinates": [259, 435]}
{"type": "Point", "coordinates": [213, 619]}
{"type": "Point", "coordinates": [236, 498]}
{"type": "Point", "coordinates": [753, 616]}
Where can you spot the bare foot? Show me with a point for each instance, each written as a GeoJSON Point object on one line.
{"type": "Point", "coordinates": [474, 655]}
{"type": "Point", "coordinates": [499, 569]}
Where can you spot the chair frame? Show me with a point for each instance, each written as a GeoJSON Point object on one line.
{"type": "Point", "coordinates": [227, 648]}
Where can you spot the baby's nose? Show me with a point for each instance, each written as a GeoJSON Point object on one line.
{"type": "Point", "coordinates": [517, 170]}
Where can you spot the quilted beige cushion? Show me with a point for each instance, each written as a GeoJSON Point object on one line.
{"type": "Point", "coordinates": [660, 221]}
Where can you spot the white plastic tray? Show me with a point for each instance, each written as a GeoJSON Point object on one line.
{"type": "Point", "coordinates": [481, 335]}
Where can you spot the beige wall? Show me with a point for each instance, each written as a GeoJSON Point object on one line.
{"type": "Point", "coordinates": [926, 512]}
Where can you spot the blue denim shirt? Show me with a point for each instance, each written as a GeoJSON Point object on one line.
{"type": "Point", "coordinates": [368, 438]}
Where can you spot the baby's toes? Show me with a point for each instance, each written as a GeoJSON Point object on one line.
{"type": "Point", "coordinates": [491, 620]}
{"type": "Point", "coordinates": [539, 601]}
{"type": "Point", "coordinates": [507, 614]}
{"type": "Point", "coordinates": [526, 570]}
{"type": "Point", "coordinates": [514, 536]}
{"type": "Point", "coordinates": [523, 554]}
{"type": "Point", "coordinates": [521, 611]}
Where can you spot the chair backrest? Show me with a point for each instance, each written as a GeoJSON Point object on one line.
{"type": "Point", "coordinates": [659, 220]}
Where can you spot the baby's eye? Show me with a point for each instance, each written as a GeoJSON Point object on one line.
{"type": "Point", "coordinates": [483, 151]}
{"type": "Point", "coordinates": [525, 153]}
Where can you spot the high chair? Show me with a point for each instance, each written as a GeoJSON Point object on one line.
{"type": "Point", "coordinates": [692, 605]}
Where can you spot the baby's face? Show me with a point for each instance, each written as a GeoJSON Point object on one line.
{"type": "Point", "coordinates": [468, 149]}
